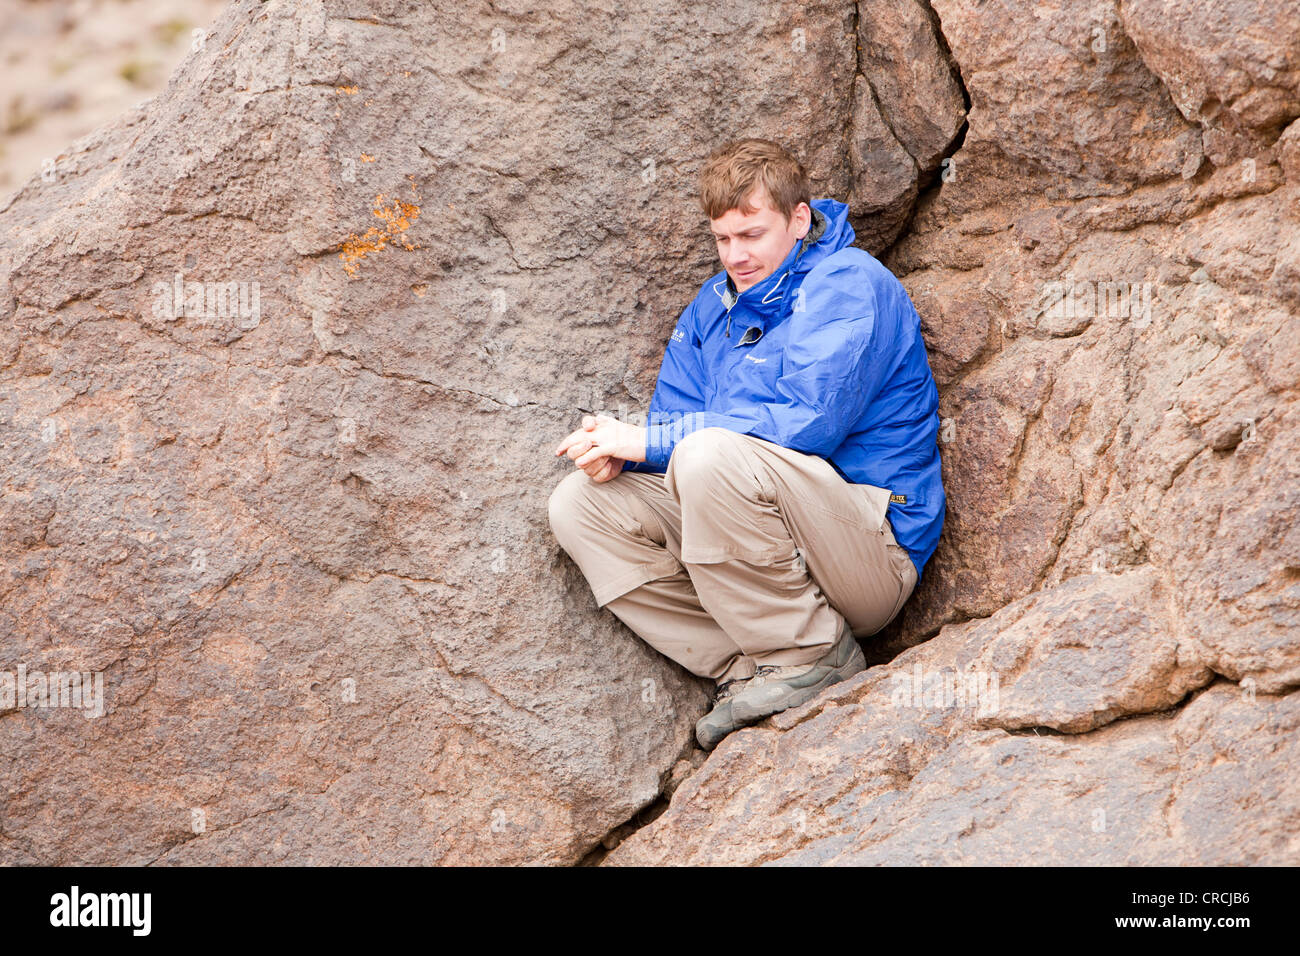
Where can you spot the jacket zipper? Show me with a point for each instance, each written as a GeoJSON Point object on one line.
{"type": "Point", "coordinates": [743, 340]}
{"type": "Point", "coordinates": [727, 331]}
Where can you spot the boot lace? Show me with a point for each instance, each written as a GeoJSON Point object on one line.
{"type": "Point", "coordinates": [767, 672]}
{"type": "Point", "coordinates": [729, 689]}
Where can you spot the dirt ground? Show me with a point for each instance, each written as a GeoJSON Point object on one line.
{"type": "Point", "coordinates": [68, 66]}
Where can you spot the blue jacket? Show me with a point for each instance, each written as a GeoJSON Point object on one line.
{"type": "Point", "coordinates": [824, 356]}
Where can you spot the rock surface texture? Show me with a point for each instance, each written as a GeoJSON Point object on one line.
{"type": "Point", "coordinates": [282, 365]}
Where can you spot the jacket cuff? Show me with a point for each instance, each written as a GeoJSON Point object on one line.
{"type": "Point", "coordinates": [642, 466]}
{"type": "Point", "coordinates": [659, 444]}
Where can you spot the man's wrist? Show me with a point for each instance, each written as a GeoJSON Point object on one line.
{"type": "Point", "coordinates": [636, 448]}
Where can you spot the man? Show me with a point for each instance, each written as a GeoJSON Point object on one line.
{"type": "Point", "coordinates": [785, 493]}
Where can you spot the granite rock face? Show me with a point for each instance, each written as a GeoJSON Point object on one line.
{"type": "Point", "coordinates": [1070, 727]}
{"type": "Point", "coordinates": [909, 109]}
{"type": "Point", "coordinates": [284, 354]}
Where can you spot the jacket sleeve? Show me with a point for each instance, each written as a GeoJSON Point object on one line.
{"type": "Point", "coordinates": [680, 388]}
{"type": "Point", "coordinates": [838, 355]}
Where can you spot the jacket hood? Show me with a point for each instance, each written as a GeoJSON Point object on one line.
{"type": "Point", "coordinates": [828, 233]}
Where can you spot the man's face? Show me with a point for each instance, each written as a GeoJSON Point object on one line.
{"type": "Point", "coordinates": [752, 246]}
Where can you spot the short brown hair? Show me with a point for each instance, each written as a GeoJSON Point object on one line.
{"type": "Point", "coordinates": [736, 167]}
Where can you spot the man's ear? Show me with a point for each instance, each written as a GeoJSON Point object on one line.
{"type": "Point", "coordinates": [803, 215]}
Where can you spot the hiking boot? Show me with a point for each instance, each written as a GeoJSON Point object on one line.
{"type": "Point", "coordinates": [774, 689]}
{"type": "Point", "coordinates": [718, 722]}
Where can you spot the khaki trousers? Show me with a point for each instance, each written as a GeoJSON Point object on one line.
{"type": "Point", "coordinates": [743, 553]}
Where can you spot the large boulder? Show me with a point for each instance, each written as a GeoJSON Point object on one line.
{"type": "Point", "coordinates": [1070, 728]}
{"type": "Point", "coordinates": [302, 531]}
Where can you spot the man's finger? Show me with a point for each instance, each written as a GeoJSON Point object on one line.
{"type": "Point", "coordinates": [580, 447]}
{"type": "Point", "coordinates": [570, 440]}
{"type": "Point", "coordinates": [564, 445]}
{"type": "Point", "coordinates": [598, 466]}
{"type": "Point", "coordinates": [609, 467]}
{"type": "Point", "coordinates": [590, 455]}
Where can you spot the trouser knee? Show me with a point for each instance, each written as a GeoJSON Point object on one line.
{"type": "Point", "coordinates": [698, 459]}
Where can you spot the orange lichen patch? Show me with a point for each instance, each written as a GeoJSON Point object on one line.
{"type": "Point", "coordinates": [366, 158]}
{"type": "Point", "coordinates": [349, 90]}
{"type": "Point", "coordinates": [420, 289]}
{"type": "Point", "coordinates": [396, 219]}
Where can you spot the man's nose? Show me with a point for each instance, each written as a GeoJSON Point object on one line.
{"type": "Point", "coordinates": [737, 255]}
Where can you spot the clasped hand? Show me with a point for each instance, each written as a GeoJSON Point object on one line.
{"type": "Point", "coordinates": [602, 445]}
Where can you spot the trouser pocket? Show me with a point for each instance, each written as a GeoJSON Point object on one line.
{"type": "Point", "coordinates": [905, 571]}
{"type": "Point", "coordinates": [874, 503]}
